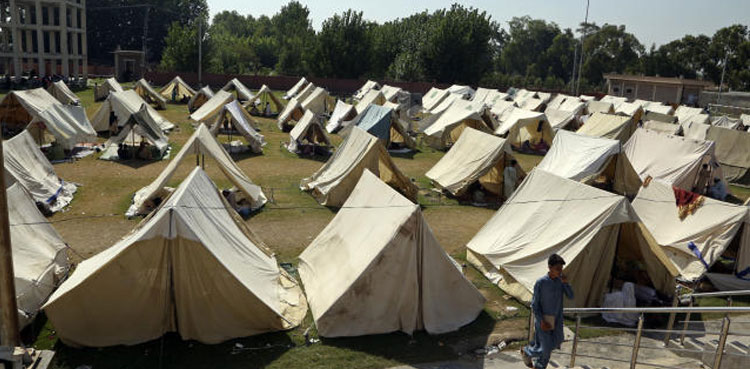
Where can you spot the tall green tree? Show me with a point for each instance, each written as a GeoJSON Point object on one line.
{"type": "Point", "coordinates": [610, 49]}
{"type": "Point", "coordinates": [295, 37]}
{"type": "Point", "coordinates": [343, 46]}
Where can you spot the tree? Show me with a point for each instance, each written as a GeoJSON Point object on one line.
{"type": "Point", "coordinates": [295, 37]}
{"type": "Point", "coordinates": [343, 46]}
{"type": "Point", "coordinates": [181, 51]}
{"type": "Point", "coordinates": [610, 49]}
{"type": "Point", "coordinates": [526, 52]}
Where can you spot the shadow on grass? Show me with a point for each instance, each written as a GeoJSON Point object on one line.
{"type": "Point", "coordinates": [136, 163]}
{"type": "Point", "coordinates": [404, 155]}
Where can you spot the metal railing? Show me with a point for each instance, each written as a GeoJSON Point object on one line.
{"type": "Point", "coordinates": [691, 297]}
{"type": "Point", "coordinates": [719, 353]}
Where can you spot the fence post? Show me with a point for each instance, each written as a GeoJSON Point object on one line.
{"type": "Point", "coordinates": [685, 325]}
{"type": "Point", "coordinates": [637, 343]}
{"type": "Point", "coordinates": [672, 317]}
{"type": "Point", "coordinates": [722, 342]}
{"type": "Point", "coordinates": [575, 342]}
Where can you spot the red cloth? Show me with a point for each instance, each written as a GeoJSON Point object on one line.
{"type": "Point", "coordinates": [687, 202]}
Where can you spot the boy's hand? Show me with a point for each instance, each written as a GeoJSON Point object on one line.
{"type": "Point", "coordinates": [564, 278]}
{"type": "Point", "coordinates": [546, 326]}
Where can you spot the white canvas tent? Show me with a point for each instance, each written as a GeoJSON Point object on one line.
{"type": "Point", "coordinates": [335, 180]}
{"type": "Point", "coordinates": [684, 113]}
{"type": "Point", "coordinates": [589, 159]}
{"type": "Point", "coordinates": [305, 92]}
{"type": "Point", "coordinates": [367, 87]}
{"type": "Point", "coordinates": [733, 153]}
{"type": "Point", "coordinates": [433, 98]}
{"type": "Point", "coordinates": [530, 103]}
{"type": "Point", "coordinates": [448, 126]}
{"type": "Point", "coordinates": [695, 130]}
{"type": "Point", "coordinates": [40, 113]}
{"type": "Point", "coordinates": [588, 227]}
{"type": "Point", "coordinates": [560, 119]}
{"type": "Point", "coordinates": [447, 102]}
{"type": "Point", "coordinates": [616, 101]}
{"type": "Point", "coordinates": [193, 268]}
{"type": "Point", "coordinates": [500, 106]}
{"type": "Point", "coordinates": [178, 89]}
{"type": "Point", "coordinates": [392, 93]}
{"type": "Point", "coordinates": [292, 111]}
{"type": "Point", "coordinates": [726, 122]}
{"type": "Point", "coordinates": [210, 108]}
{"type": "Point", "coordinates": [466, 92]}
{"type": "Point", "coordinates": [316, 100]}
{"type": "Point", "coordinates": [378, 268]}
{"type": "Point", "coordinates": [656, 107]}
{"type": "Point", "coordinates": [200, 98]}
{"type": "Point", "coordinates": [109, 85]}
{"type": "Point", "coordinates": [475, 157]}
{"type": "Point", "coordinates": [39, 258]}
{"type": "Point", "coordinates": [123, 105]}
{"type": "Point", "coordinates": [616, 127]}
{"type": "Point", "coordinates": [712, 228]}
{"type": "Point", "coordinates": [233, 117]}
{"type": "Point", "coordinates": [138, 128]}
{"type": "Point", "coordinates": [593, 107]}
{"type": "Point", "coordinates": [308, 131]}
{"type": "Point", "coordinates": [26, 165]}
{"type": "Point", "coordinates": [632, 110]}
{"type": "Point", "coordinates": [381, 122]}
{"type": "Point", "coordinates": [149, 95]}
{"type": "Point", "coordinates": [243, 93]}
{"type": "Point", "coordinates": [371, 97]}
{"type": "Point", "coordinates": [670, 159]}
{"type": "Point", "coordinates": [63, 94]}
{"type": "Point", "coordinates": [204, 144]}
{"type": "Point", "coordinates": [343, 112]}
{"type": "Point", "coordinates": [662, 127]}
{"type": "Point", "coordinates": [520, 125]}
{"type": "Point", "coordinates": [265, 95]}
{"type": "Point", "coordinates": [299, 86]}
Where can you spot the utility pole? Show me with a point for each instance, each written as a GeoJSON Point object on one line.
{"type": "Point", "coordinates": [573, 74]}
{"type": "Point", "coordinates": [723, 71]}
{"type": "Point", "coordinates": [200, 53]}
{"type": "Point", "coordinates": [583, 37]}
{"type": "Point", "coordinates": [9, 330]}
{"type": "Point", "coordinates": [145, 34]}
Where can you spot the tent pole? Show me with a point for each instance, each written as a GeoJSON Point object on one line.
{"type": "Point", "coordinates": [9, 329]}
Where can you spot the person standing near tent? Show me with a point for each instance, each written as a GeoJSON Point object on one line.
{"type": "Point", "coordinates": [718, 190]}
{"type": "Point", "coordinates": [267, 109]}
{"type": "Point", "coordinates": [547, 307]}
{"type": "Point", "coordinates": [510, 179]}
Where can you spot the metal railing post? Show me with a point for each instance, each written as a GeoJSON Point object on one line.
{"type": "Point", "coordinates": [722, 343]}
{"type": "Point", "coordinates": [637, 343]}
{"type": "Point", "coordinates": [672, 316]}
{"type": "Point", "coordinates": [685, 325]}
{"type": "Point", "coordinates": [575, 342]}
{"type": "Point", "coordinates": [531, 327]}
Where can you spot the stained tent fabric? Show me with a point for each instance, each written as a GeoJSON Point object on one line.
{"type": "Point", "coordinates": [448, 126]}
{"type": "Point", "coordinates": [39, 254]}
{"type": "Point", "coordinates": [308, 131]}
{"type": "Point", "coordinates": [63, 94]}
{"type": "Point", "coordinates": [193, 268]}
{"type": "Point", "coordinates": [139, 127]}
{"type": "Point", "coordinates": [123, 105]}
{"type": "Point", "coordinates": [299, 86]}
{"type": "Point", "coordinates": [433, 98]}
{"type": "Point", "coordinates": [200, 98]}
{"type": "Point", "coordinates": [200, 143]}
{"type": "Point", "coordinates": [662, 127]}
{"type": "Point", "coordinates": [335, 180]}
{"type": "Point", "coordinates": [381, 122]}
{"type": "Point", "coordinates": [26, 165]}
{"type": "Point", "coordinates": [590, 228]}
{"type": "Point", "coordinates": [593, 107]}
{"type": "Point", "coordinates": [109, 85]}
{"type": "Point", "coordinates": [266, 95]}
{"type": "Point", "coordinates": [39, 112]}
{"type": "Point", "coordinates": [670, 159]}
{"type": "Point", "coordinates": [371, 97]}
{"type": "Point", "coordinates": [177, 88]}
{"type": "Point", "coordinates": [733, 153]}
{"type": "Point", "coordinates": [243, 93]}
{"type": "Point", "coordinates": [712, 228]}
{"type": "Point", "coordinates": [233, 116]}
{"type": "Point", "coordinates": [149, 95]}
{"type": "Point", "coordinates": [343, 112]}
{"type": "Point", "coordinates": [584, 158]}
{"type": "Point", "coordinates": [466, 92]}
{"type": "Point", "coordinates": [378, 268]}
{"type": "Point", "coordinates": [520, 125]}
{"type": "Point", "coordinates": [366, 88]}
{"type": "Point", "coordinates": [615, 127]}
{"type": "Point", "coordinates": [664, 118]}
{"type": "Point", "coordinates": [476, 157]}
{"type": "Point", "coordinates": [212, 107]}
{"type": "Point", "coordinates": [695, 130]}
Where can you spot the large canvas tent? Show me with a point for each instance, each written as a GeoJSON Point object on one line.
{"type": "Point", "coordinates": [477, 157]}
{"type": "Point", "coordinates": [671, 159]}
{"type": "Point", "coordinates": [447, 102]}
{"type": "Point", "coordinates": [292, 111]}
{"type": "Point", "coordinates": [149, 94]}
{"type": "Point", "coordinates": [733, 153]}
{"type": "Point", "coordinates": [305, 92]}
{"type": "Point", "coordinates": [299, 86]}
{"type": "Point", "coordinates": [713, 228]}
{"type": "Point", "coordinates": [378, 268]}
{"type": "Point", "coordinates": [560, 119]}
{"type": "Point", "coordinates": [593, 107]}
{"type": "Point", "coordinates": [392, 93]}
{"type": "Point", "coordinates": [233, 117]}
{"type": "Point", "coordinates": [372, 97]}
{"type": "Point", "coordinates": [123, 105]}
{"type": "Point", "coordinates": [307, 132]}
{"type": "Point", "coordinates": [366, 88]}
{"type": "Point", "coordinates": [63, 94]}
{"type": "Point", "coordinates": [465, 92]}
{"type": "Point", "coordinates": [316, 101]}
{"type": "Point", "coordinates": [590, 228]}
{"type": "Point", "coordinates": [40, 113]}
{"type": "Point", "coordinates": [342, 112]}
{"type": "Point", "coordinates": [264, 96]}
{"type": "Point", "coordinates": [520, 125]}
{"type": "Point", "coordinates": [591, 160]}
{"type": "Point", "coordinates": [193, 268]}
{"type": "Point", "coordinates": [210, 108]}
{"type": "Point", "coordinates": [204, 144]}
{"type": "Point", "coordinates": [615, 127]}
{"type": "Point", "coordinates": [695, 130]}
{"type": "Point", "coordinates": [433, 97]}
{"type": "Point", "coordinates": [662, 127]}
{"type": "Point", "coordinates": [335, 180]}
{"type": "Point", "coordinates": [381, 122]}
{"type": "Point", "coordinates": [616, 101]}
{"type": "Point", "coordinates": [243, 93]}
{"type": "Point", "coordinates": [632, 110]}
{"type": "Point", "coordinates": [726, 122]}
{"type": "Point", "coordinates": [138, 128]}
{"type": "Point", "coordinates": [685, 113]}
{"type": "Point", "coordinates": [26, 165]}
{"type": "Point", "coordinates": [39, 254]}
{"type": "Point", "coordinates": [109, 85]}
{"type": "Point", "coordinates": [448, 126]}
{"type": "Point", "coordinates": [177, 90]}
{"type": "Point", "coordinates": [200, 98]}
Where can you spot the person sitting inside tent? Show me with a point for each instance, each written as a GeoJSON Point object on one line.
{"type": "Point", "coordinates": [55, 152]}
{"type": "Point", "coordinates": [510, 179]}
{"type": "Point", "coordinates": [718, 190]}
{"type": "Point", "coordinates": [254, 110]}
{"type": "Point", "coordinates": [267, 109]}
{"type": "Point", "coordinates": [241, 206]}
{"type": "Point", "coordinates": [547, 307]}
{"type": "Point", "coordinates": [703, 180]}
{"type": "Point", "coordinates": [144, 151]}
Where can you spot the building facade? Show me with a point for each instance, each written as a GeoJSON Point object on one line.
{"type": "Point", "coordinates": [43, 37]}
{"type": "Point", "coordinates": [663, 89]}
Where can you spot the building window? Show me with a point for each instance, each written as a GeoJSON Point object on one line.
{"type": "Point", "coordinates": [628, 90]}
{"type": "Point", "coordinates": [616, 89]}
